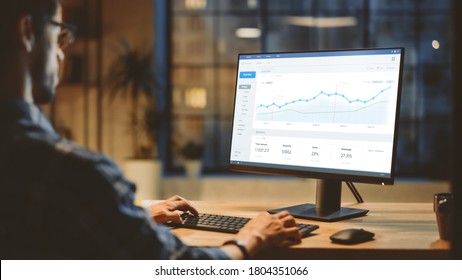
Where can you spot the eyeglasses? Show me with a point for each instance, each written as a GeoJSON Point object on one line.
{"type": "Point", "coordinates": [67, 35]}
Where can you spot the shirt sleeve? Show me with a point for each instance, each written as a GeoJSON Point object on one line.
{"type": "Point", "coordinates": [109, 224]}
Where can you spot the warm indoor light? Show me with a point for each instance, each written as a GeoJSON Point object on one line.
{"type": "Point", "coordinates": [248, 32]}
{"type": "Point", "coordinates": [196, 97]}
{"type": "Point", "coordinates": [325, 22]}
{"type": "Point", "coordinates": [435, 44]}
{"type": "Point", "coordinates": [195, 4]}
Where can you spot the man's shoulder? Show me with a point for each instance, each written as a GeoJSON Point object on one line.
{"type": "Point", "coordinates": [72, 150]}
{"type": "Point", "coordinates": [40, 143]}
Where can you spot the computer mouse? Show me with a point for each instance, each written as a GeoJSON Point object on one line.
{"type": "Point", "coordinates": [352, 236]}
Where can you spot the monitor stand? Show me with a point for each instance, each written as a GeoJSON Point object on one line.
{"type": "Point", "coordinates": [327, 207]}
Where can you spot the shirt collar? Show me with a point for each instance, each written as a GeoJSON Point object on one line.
{"type": "Point", "coordinates": [18, 111]}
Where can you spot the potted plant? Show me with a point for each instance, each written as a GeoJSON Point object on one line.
{"type": "Point", "coordinates": [192, 155]}
{"type": "Point", "coordinates": [131, 77]}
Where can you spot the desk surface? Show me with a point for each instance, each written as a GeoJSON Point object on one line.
{"type": "Point", "coordinates": [402, 231]}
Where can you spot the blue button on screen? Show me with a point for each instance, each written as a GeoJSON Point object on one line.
{"type": "Point", "coordinates": [248, 75]}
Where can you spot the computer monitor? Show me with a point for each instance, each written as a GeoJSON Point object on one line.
{"type": "Point", "coordinates": [330, 115]}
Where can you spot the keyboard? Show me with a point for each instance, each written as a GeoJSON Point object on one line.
{"type": "Point", "coordinates": [227, 224]}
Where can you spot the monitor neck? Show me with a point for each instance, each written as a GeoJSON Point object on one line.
{"type": "Point", "coordinates": [328, 196]}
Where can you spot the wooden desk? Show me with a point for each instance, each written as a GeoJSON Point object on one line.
{"type": "Point", "coordinates": [402, 231]}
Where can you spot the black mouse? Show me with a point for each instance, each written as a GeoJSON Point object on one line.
{"type": "Point", "coordinates": [351, 236]}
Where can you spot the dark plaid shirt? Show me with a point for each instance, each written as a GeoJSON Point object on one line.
{"type": "Point", "coordinates": [61, 201]}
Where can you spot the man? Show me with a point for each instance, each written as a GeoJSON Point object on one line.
{"type": "Point", "coordinates": [60, 201]}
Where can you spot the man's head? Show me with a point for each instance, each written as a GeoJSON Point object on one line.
{"type": "Point", "coordinates": [29, 31]}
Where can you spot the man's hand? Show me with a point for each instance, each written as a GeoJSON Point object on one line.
{"type": "Point", "coordinates": [266, 231]}
{"type": "Point", "coordinates": [170, 209]}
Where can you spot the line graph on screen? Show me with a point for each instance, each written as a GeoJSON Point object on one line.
{"type": "Point", "coordinates": [310, 100]}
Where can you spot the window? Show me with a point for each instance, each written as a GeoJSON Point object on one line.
{"type": "Point", "coordinates": [206, 37]}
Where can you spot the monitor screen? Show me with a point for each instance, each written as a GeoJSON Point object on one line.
{"type": "Point", "coordinates": [319, 114]}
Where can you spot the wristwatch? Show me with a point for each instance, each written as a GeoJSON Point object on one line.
{"type": "Point", "coordinates": [239, 245]}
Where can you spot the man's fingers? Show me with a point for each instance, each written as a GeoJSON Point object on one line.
{"type": "Point", "coordinates": [176, 198]}
{"type": "Point", "coordinates": [281, 214]}
{"type": "Point", "coordinates": [183, 206]}
{"type": "Point", "coordinates": [177, 202]}
{"type": "Point", "coordinates": [293, 234]}
{"type": "Point", "coordinates": [288, 221]}
{"type": "Point", "coordinates": [174, 217]}
{"type": "Point", "coordinates": [293, 231]}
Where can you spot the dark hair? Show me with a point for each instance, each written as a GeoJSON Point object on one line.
{"type": "Point", "coordinates": [10, 11]}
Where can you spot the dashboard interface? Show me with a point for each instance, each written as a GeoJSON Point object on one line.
{"type": "Point", "coordinates": [332, 111]}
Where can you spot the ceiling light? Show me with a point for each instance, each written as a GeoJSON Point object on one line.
{"type": "Point", "coordinates": [323, 22]}
{"type": "Point", "coordinates": [195, 4]}
{"type": "Point", "coordinates": [248, 33]}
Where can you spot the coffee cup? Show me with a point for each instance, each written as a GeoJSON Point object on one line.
{"type": "Point", "coordinates": [443, 207]}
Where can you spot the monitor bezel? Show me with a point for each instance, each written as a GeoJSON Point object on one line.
{"type": "Point", "coordinates": [277, 170]}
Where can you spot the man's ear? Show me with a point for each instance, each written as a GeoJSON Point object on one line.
{"type": "Point", "coordinates": [26, 33]}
